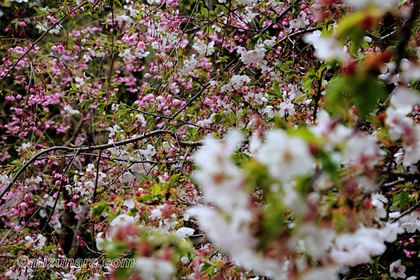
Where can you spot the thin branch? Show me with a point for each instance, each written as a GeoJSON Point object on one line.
{"type": "Point", "coordinates": [406, 34]}
{"type": "Point", "coordinates": [77, 131]}
{"type": "Point", "coordinates": [409, 211]}
{"type": "Point", "coordinates": [40, 38]}
{"type": "Point", "coordinates": [191, 100]}
{"type": "Point", "coordinates": [60, 188]}
{"type": "Point", "coordinates": [113, 56]}
{"type": "Point", "coordinates": [97, 176]}
{"type": "Point", "coordinates": [75, 242]}
{"type": "Point", "coordinates": [122, 159]}
{"type": "Point", "coordinates": [317, 97]}
{"type": "Point", "coordinates": [279, 17]}
{"type": "Point", "coordinates": [93, 148]}
{"type": "Point", "coordinates": [166, 117]}
{"type": "Point", "coordinates": [407, 176]}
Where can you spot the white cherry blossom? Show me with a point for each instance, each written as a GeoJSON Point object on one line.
{"type": "Point", "coordinates": [285, 156]}
{"type": "Point", "coordinates": [397, 269]}
{"type": "Point", "coordinates": [326, 48]}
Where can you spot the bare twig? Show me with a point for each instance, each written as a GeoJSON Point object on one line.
{"type": "Point", "coordinates": [75, 241]}
{"type": "Point", "coordinates": [190, 101]}
{"type": "Point", "coordinates": [406, 34]}
{"type": "Point", "coordinates": [277, 19]}
{"type": "Point", "coordinates": [317, 97]}
{"type": "Point", "coordinates": [77, 131]}
{"type": "Point", "coordinates": [113, 56]}
{"type": "Point", "coordinates": [97, 176]}
{"type": "Point", "coordinates": [93, 148]}
{"type": "Point", "coordinates": [409, 211]}
{"type": "Point", "coordinates": [60, 188]}
{"type": "Point", "coordinates": [40, 38]}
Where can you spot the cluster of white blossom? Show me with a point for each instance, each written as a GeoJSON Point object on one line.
{"type": "Point", "coordinates": [38, 243]}
{"type": "Point", "coordinates": [287, 157]}
{"type": "Point", "coordinates": [189, 65]}
{"type": "Point", "coordinates": [70, 110]}
{"type": "Point", "coordinates": [228, 224]}
{"type": "Point", "coordinates": [326, 48]}
{"type": "Point", "coordinates": [357, 248]}
{"type": "Point", "coordinates": [400, 125]}
{"type": "Point", "coordinates": [84, 182]}
{"type": "Point", "coordinates": [236, 82]}
{"type": "Point", "coordinates": [203, 48]}
{"type": "Point", "coordinates": [300, 22]}
{"type": "Point", "coordinates": [398, 271]}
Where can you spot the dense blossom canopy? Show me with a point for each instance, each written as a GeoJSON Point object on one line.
{"type": "Point", "coordinates": [204, 139]}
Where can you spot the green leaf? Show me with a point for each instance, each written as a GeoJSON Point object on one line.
{"type": "Point", "coordinates": [367, 93]}
{"type": "Point", "coordinates": [303, 133]}
{"type": "Point", "coordinates": [155, 189]}
{"type": "Point", "coordinates": [209, 28]}
{"type": "Point", "coordinates": [328, 165]}
{"type": "Point", "coordinates": [351, 27]}
{"type": "Point", "coordinates": [401, 2]}
{"type": "Point", "coordinates": [401, 200]}
{"type": "Point", "coordinates": [321, 70]}
{"type": "Point", "coordinates": [147, 197]}
{"type": "Point", "coordinates": [307, 86]}
{"type": "Point", "coordinates": [300, 98]}
{"type": "Point", "coordinates": [303, 185]}
{"type": "Point", "coordinates": [360, 90]}
{"type": "Point", "coordinates": [173, 180]}
{"type": "Point", "coordinates": [309, 80]}
{"type": "Point", "coordinates": [207, 268]}
{"type": "Point", "coordinates": [98, 210]}
{"type": "Point", "coordinates": [276, 89]}
{"type": "Point", "coordinates": [217, 118]}
{"type": "Point", "coordinates": [237, 98]}
{"type": "Point", "coordinates": [337, 97]}
{"type": "Point", "coordinates": [49, 248]}
{"type": "Point", "coordinates": [204, 11]}
{"type": "Point", "coordinates": [348, 25]}
{"type": "Point", "coordinates": [274, 222]}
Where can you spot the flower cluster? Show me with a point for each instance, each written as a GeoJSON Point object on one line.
{"type": "Point", "coordinates": [241, 139]}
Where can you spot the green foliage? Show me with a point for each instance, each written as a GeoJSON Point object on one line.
{"type": "Point", "coordinates": [361, 90]}
{"type": "Point", "coordinates": [99, 209]}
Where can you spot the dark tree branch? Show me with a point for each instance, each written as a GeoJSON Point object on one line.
{"type": "Point", "coordinates": [317, 97]}
{"type": "Point", "coordinates": [97, 176]}
{"type": "Point", "coordinates": [77, 131]}
{"type": "Point", "coordinates": [406, 34]}
{"type": "Point", "coordinates": [93, 148]}
{"type": "Point", "coordinates": [190, 101]}
{"type": "Point", "coordinates": [409, 211]}
{"type": "Point", "coordinates": [60, 188]}
{"type": "Point", "coordinates": [41, 37]}
{"type": "Point", "coordinates": [75, 242]}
